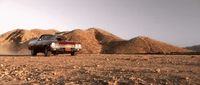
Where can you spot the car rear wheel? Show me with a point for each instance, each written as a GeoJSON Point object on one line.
{"type": "Point", "coordinates": [73, 53]}
{"type": "Point", "coordinates": [33, 52]}
{"type": "Point", "coordinates": [47, 52]}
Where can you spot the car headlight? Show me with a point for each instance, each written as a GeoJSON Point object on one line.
{"type": "Point", "coordinates": [53, 45]}
{"type": "Point", "coordinates": [77, 46]}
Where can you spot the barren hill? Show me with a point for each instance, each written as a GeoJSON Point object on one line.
{"type": "Point", "coordinates": [194, 48]}
{"type": "Point", "coordinates": [93, 40]}
{"type": "Point", "coordinates": [142, 44]}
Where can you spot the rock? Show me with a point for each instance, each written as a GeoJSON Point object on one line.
{"type": "Point", "coordinates": [6, 72]}
{"type": "Point", "coordinates": [76, 67]}
{"type": "Point", "coordinates": [97, 65]}
{"type": "Point", "coordinates": [187, 78]}
{"type": "Point", "coordinates": [35, 84]}
{"type": "Point", "coordinates": [158, 70]}
{"type": "Point", "coordinates": [107, 59]}
{"type": "Point", "coordinates": [54, 73]}
{"type": "Point", "coordinates": [2, 65]}
{"type": "Point", "coordinates": [28, 79]}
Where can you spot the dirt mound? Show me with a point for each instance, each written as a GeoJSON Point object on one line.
{"type": "Point", "coordinates": [92, 39]}
{"type": "Point", "coordinates": [142, 44]}
{"type": "Point", "coordinates": [195, 48]}
{"type": "Point", "coordinates": [16, 40]}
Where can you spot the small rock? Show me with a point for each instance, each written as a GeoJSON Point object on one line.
{"type": "Point", "coordinates": [6, 73]}
{"type": "Point", "coordinates": [98, 66]}
{"type": "Point", "coordinates": [28, 79]}
{"type": "Point", "coordinates": [107, 59]}
{"type": "Point", "coordinates": [54, 73]}
{"type": "Point", "coordinates": [158, 70]}
{"type": "Point", "coordinates": [76, 67]}
{"type": "Point", "coordinates": [187, 78]}
{"type": "Point", "coordinates": [2, 65]}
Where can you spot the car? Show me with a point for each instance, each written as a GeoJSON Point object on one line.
{"type": "Point", "coordinates": [53, 44]}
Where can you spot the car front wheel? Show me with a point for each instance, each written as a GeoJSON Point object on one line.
{"type": "Point", "coordinates": [47, 52]}
{"type": "Point", "coordinates": [73, 53]}
{"type": "Point", "coordinates": [33, 52]}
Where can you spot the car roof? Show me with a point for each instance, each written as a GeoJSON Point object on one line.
{"type": "Point", "coordinates": [47, 35]}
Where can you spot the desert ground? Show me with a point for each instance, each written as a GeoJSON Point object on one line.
{"type": "Point", "coordinates": [100, 69]}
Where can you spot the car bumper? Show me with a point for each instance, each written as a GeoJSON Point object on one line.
{"type": "Point", "coordinates": [64, 50]}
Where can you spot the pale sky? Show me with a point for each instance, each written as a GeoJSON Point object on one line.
{"type": "Point", "coordinates": [173, 21]}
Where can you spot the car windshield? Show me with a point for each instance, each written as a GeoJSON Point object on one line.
{"type": "Point", "coordinates": [47, 37]}
{"type": "Point", "coordinates": [60, 38]}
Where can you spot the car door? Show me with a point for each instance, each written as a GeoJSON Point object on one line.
{"type": "Point", "coordinates": [44, 41]}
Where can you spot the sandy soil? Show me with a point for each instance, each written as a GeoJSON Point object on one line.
{"type": "Point", "coordinates": [92, 69]}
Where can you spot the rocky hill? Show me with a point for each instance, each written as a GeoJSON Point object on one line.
{"type": "Point", "coordinates": [195, 48]}
{"type": "Point", "coordinates": [142, 44]}
{"type": "Point", "coordinates": [93, 40]}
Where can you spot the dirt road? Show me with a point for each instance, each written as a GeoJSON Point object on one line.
{"type": "Point", "coordinates": [92, 69]}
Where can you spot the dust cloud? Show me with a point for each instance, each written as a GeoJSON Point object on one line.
{"type": "Point", "coordinates": [6, 50]}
